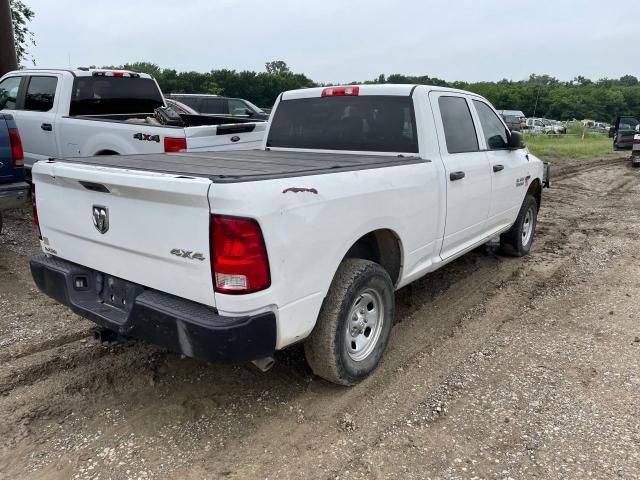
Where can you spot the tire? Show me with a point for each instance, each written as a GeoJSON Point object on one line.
{"type": "Point", "coordinates": [338, 348]}
{"type": "Point", "coordinates": [518, 240]}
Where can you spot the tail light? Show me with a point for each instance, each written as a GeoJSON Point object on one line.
{"type": "Point", "coordinates": [172, 144]}
{"type": "Point", "coordinates": [36, 222]}
{"type": "Point", "coordinates": [16, 148]}
{"type": "Point", "coordinates": [238, 255]}
{"type": "Point", "coordinates": [341, 92]}
{"type": "Point", "coordinates": [636, 140]}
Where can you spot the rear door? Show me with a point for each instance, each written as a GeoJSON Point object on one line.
{"type": "Point", "coordinates": [137, 226]}
{"type": "Point", "coordinates": [508, 167]}
{"type": "Point", "coordinates": [35, 116]}
{"type": "Point", "coordinates": [467, 170]}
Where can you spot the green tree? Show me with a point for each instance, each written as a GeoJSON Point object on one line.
{"type": "Point", "coordinates": [21, 15]}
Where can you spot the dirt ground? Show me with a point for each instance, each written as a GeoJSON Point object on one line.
{"type": "Point", "coordinates": [497, 368]}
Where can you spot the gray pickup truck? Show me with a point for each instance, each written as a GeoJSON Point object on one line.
{"type": "Point", "coordinates": [13, 188]}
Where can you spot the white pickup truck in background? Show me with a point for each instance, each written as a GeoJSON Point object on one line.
{"type": "Point", "coordinates": [231, 256]}
{"type": "Point", "coordinates": [85, 112]}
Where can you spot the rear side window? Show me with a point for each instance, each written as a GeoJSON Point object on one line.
{"type": "Point", "coordinates": [9, 93]}
{"type": "Point", "coordinates": [114, 96]}
{"type": "Point", "coordinates": [41, 92]}
{"type": "Point", "coordinates": [218, 106]}
{"type": "Point", "coordinates": [495, 134]}
{"type": "Point", "coordinates": [459, 131]}
{"type": "Point", "coordinates": [193, 102]}
{"type": "Point", "coordinates": [365, 123]}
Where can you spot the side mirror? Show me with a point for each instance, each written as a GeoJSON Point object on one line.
{"type": "Point", "coordinates": [248, 112]}
{"type": "Point", "coordinates": [612, 131]}
{"type": "Point", "coordinates": [515, 141]}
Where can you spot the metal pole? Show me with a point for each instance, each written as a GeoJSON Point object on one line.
{"type": "Point", "coordinates": [8, 60]}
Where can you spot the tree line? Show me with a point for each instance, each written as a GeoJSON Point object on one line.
{"type": "Point", "coordinates": [539, 95]}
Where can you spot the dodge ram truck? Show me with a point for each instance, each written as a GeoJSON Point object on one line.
{"type": "Point", "coordinates": [85, 112]}
{"type": "Point", "coordinates": [358, 191]}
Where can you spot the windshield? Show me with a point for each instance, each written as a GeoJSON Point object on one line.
{"type": "Point", "coordinates": [628, 123]}
{"type": "Point", "coordinates": [354, 123]}
{"type": "Point", "coordinates": [511, 119]}
{"type": "Point", "coordinates": [114, 95]}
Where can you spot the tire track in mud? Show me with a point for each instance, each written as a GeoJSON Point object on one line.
{"type": "Point", "coordinates": [443, 319]}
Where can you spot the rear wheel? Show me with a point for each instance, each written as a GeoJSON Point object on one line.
{"type": "Point", "coordinates": [518, 240]}
{"type": "Point", "coordinates": [354, 324]}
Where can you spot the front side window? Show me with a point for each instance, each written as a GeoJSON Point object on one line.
{"type": "Point", "coordinates": [41, 92]}
{"type": "Point", "coordinates": [459, 130]}
{"type": "Point", "coordinates": [9, 93]}
{"type": "Point", "coordinates": [237, 107]}
{"type": "Point", "coordinates": [495, 134]}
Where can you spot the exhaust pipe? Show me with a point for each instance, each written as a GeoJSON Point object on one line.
{"type": "Point", "coordinates": [264, 364]}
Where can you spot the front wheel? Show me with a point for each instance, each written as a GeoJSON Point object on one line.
{"type": "Point", "coordinates": [354, 324]}
{"type": "Point", "coordinates": [518, 240]}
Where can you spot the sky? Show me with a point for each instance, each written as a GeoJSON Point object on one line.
{"type": "Point", "coordinates": [344, 41]}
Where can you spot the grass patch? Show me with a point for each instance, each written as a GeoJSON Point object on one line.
{"type": "Point", "coordinates": [572, 145]}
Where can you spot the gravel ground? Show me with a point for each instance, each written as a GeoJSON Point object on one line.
{"type": "Point", "coordinates": [497, 368]}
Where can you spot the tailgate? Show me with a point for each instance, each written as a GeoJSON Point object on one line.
{"type": "Point", "coordinates": [239, 136]}
{"type": "Point", "coordinates": [154, 219]}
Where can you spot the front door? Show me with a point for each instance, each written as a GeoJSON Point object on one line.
{"type": "Point", "coordinates": [467, 170]}
{"type": "Point", "coordinates": [508, 168]}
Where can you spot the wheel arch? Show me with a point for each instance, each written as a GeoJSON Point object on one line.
{"type": "Point", "coordinates": [535, 189]}
{"type": "Point", "coordinates": [382, 246]}
{"type": "Point", "coordinates": [105, 151]}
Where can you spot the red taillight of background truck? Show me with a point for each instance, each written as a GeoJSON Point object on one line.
{"type": "Point", "coordinates": [16, 148]}
{"type": "Point", "coordinates": [172, 145]}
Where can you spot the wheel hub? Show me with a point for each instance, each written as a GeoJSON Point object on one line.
{"type": "Point", "coordinates": [366, 318]}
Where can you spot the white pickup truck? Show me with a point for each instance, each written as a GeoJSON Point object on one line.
{"type": "Point", "coordinates": [85, 112]}
{"type": "Point", "coordinates": [357, 192]}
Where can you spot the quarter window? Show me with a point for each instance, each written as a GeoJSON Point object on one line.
{"type": "Point", "coordinates": [40, 94]}
{"type": "Point", "coordinates": [459, 131]}
{"type": "Point", "coordinates": [9, 93]}
{"type": "Point", "coordinates": [495, 134]}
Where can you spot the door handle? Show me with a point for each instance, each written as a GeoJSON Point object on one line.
{"type": "Point", "coordinates": [453, 176]}
{"type": "Point", "coordinates": [498, 168]}
{"type": "Point", "coordinates": [47, 127]}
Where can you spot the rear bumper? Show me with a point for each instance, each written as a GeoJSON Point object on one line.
{"type": "Point", "coordinates": [180, 325]}
{"type": "Point", "coordinates": [13, 195]}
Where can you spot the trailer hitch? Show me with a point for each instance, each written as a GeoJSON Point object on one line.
{"type": "Point", "coordinates": [104, 335]}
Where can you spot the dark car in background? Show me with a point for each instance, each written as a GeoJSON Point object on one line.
{"type": "Point", "coordinates": [13, 188]}
{"type": "Point", "coordinates": [217, 105]}
{"type": "Point", "coordinates": [622, 131]}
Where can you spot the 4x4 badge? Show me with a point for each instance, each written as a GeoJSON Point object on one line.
{"type": "Point", "coordinates": [101, 218]}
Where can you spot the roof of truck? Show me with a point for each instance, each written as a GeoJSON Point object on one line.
{"type": "Point", "coordinates": [393, 89]}
{"type": "Point", "coordinates": [80, 71]}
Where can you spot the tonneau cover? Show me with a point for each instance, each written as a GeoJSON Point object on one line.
{"type": "Point", "coordinates": [248, 165]}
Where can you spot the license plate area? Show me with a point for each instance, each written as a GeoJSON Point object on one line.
{"type": "Point", "coordinates": [117, 293]}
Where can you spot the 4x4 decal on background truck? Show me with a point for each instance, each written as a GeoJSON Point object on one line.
{"type": "Point", "coordinates": [147, 137]}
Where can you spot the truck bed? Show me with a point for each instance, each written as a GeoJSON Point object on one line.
{"type": "Point", "coordinates": [246, 166]}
